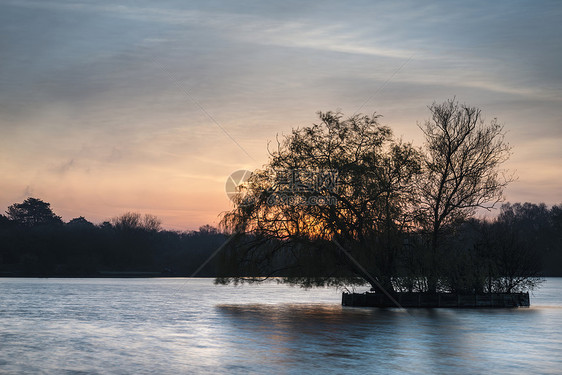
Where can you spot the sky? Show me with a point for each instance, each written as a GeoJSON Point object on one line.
{"type": "Point", "coordinates": [108, 107]}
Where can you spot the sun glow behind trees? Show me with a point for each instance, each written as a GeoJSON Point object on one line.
{"type": "Point", "coordinates": [389, 194]}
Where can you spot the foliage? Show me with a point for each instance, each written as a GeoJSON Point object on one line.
{"type": "Point", "coordinates": [375, 172]}
{"type": "Point", "coordinates": [461, 173]}
{"type": "Point", "coordinates": [402, 218]}
{"type": "Point", "coordinates": [136, 221]}
{"type": "Point", "coordinates": [135, 243]}
{"type": "Point", "coordinates": [503, 255]}
{"type": "Point", "coordinates": [32, 212]}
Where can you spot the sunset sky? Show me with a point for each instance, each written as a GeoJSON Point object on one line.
{"type": "Point", "coordinates": [149, 106]}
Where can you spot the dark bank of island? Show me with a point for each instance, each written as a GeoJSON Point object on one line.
{"type": "Point", "coordinates": [428, 300]}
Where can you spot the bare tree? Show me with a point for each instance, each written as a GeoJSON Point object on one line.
{"type": "Point", "coordinates": [134, 221]}
{"type": "Point", "coordinates": [461, 171]}
{"type": "Point", "coordinates": [151, 223]}
{"type": "Point", "coordinates": [388, 192]}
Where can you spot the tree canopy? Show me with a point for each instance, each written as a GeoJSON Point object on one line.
{"type": "Point", "coordinates": [387, 220]}
{"type": "Point", "coordinates": [462, 159]}
{"type": "Point", "coordinates": [33, 212]}
{"type": "Point", "coordinates": [505, 254]}
{"type": "Point", "coordinates": [35, 242]}
{"type": "Point", "coordinates": [346, 180]}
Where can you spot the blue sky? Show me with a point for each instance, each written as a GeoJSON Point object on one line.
{"type": "Point", "coordinates": [107, 108]}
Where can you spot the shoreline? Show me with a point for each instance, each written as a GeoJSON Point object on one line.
{"type": "Point", "coordinates": [437, 300]}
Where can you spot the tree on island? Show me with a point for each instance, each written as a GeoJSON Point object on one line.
{"type": "Point", "coordinates": [390, 197]}
{"type": "Point", "coordinates": [375, 181]}
{"type": "Point", "coordinates": [461, 173]}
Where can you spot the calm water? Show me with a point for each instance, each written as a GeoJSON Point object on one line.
{"type": "Point", "coordinates": [185, 326]}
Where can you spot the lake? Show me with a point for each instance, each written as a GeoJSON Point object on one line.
{"type": "Point", "coordinates": [190, 326]}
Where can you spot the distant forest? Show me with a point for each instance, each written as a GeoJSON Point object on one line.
{"type": "Point", "coordinates": [35, 242]}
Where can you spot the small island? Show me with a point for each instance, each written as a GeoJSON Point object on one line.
{"type": "Point", "coordinates": [345, 203]}
{"type": "Point", "coordinates": [409, 300]}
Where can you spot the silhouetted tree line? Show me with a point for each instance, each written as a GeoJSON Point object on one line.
{"type": "Point", "coordinates": [508, 253]}
{"type": "Point", "coordinates": [401, 218]}
{"type": "Point", "coordinates": [34, 241]}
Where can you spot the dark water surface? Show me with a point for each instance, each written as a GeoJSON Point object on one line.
{"type": "Point", "coordinates": [190, 326]}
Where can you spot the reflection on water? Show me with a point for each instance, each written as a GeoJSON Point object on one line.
{"type": "Point", "coordinates": [170, 326]}
{"type": "Point", "coordinates": [418, 341]}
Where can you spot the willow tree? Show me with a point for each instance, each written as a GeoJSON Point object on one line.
{"type": "Point", "coordinates": [462, 161]}
{"type": "Point", "coordinates": [329, 208]}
